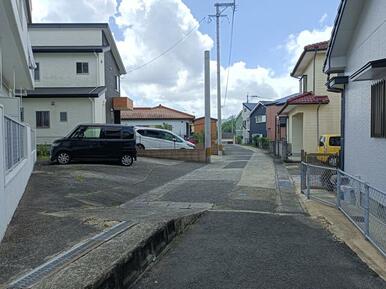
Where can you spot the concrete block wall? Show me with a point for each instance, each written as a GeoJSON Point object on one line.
{"type": "Point", "coordinates": [13, 182]}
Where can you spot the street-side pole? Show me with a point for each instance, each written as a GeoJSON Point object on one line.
{"type": "Point", "coordinates": [219, 122]}
{"type": "Point", "coordinates": [208, 138]}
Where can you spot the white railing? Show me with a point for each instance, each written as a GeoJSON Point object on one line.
{"type": "Point", "coordinates": [15, 142]}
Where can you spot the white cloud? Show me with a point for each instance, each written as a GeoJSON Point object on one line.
{"type": "Point", "coordinates": [323, 18]}
{"type": "Point", "coordinates": [296, 42]}
{"type": "Point", "coordinates": [72, 10]}
{"type": "Point", "coordinates": [149, 27]}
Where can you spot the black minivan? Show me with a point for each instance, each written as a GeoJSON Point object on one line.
{"type": "Point", "coordinates": [96, 142]}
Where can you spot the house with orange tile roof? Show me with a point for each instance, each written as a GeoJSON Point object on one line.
{"type": "Point", "coordinates": [177, 121]}
{"type": "Point", "coordinates": [314, 111]}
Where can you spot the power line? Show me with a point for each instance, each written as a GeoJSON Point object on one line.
{"type": "Point", "coordinates": [230, 55]}
{"type": "Point", "coordinates": [169, 49]}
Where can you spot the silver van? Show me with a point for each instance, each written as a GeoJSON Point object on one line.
{"type": "Point", "coordinates": [155, 138]}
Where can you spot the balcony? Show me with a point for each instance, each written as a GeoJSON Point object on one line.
{"type": "Point", "coordinates": [15, 48]}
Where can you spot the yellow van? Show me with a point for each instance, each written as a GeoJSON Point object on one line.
{"type": "Point", "coordinates": [329, 144]}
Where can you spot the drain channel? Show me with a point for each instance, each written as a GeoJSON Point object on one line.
{"type": "Point", "coordinates": [69, 256]}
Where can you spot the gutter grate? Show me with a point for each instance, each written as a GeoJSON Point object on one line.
{"type": "Point", "coordinates": [76, 252]}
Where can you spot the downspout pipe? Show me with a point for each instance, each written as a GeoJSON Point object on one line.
{"type": "Point", "coordinates": [317, 110]}
{"type": "Point", "coordinates": [317, 125]}
{"type": "Point", "coordinates": [314, 71]}
{"type": "Point", "coordinates": [92, 109]}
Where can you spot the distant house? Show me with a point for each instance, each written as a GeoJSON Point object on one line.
{"type": "Point", "coordinates": [199, 127]}
{"type": "Point", "coordinates": [246, 111]}
{"type": "Point", "coordinates": [356, 65]}
{"type": "Point", "coordinates": [160, 116]}
{"type": "Point", "coordinates": [239, 125]}
{"type": "Point", "coordinates": [315, 111]}
{"type": "Point", "coordinates": [277, 125]}
{"type": "Point", "coordinates": [77, 77]}
{"type": "Point", "coordinates": [258, 120]}
{"type": "Point", "coordinates": [17, 139]}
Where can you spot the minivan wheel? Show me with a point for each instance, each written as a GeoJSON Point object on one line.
{"type": "Point", "coordinates": [126, 160]}
{"type": "Point", "coordinates": [140, 147]}
{"type": "Point", "coordinates": [63, 158]}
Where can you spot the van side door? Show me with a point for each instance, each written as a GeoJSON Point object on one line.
{"type": "Point", "coordinates": [85, 142]}
{"type": "Point", "coordinates": [111, 147]}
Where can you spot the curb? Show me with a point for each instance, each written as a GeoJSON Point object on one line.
{"type": "Point", "coordinates": [119, 262]}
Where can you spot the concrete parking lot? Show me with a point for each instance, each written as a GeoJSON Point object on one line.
{"type": "Point", "coordinates": [40, 228]}
{"type": "Point", "coordinates": [254, 232]}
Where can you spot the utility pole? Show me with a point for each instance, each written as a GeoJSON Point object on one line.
{"type": "Point", "coordinates": [208, 138]}
{"type": "Point", "coordinates": [220, 8]}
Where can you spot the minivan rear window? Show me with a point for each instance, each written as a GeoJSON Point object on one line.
{"type": "Point", "coordinates": [127, 133]}
{"type": "Point", "coordinates": [112, 133]}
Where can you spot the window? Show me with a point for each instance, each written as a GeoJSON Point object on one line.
{"type": "Point", "coordinates": [91, 132]}
{"type": "Point", "coordinates": [303, 84]}
{"type": "Point", "coordinates": [128, 133]}
{"type": "Point", "coordinates": [82, 67]}
{"type": "Point", "coordinates": [261, 118]}
{"type": "Point", "coordinates": [37, 72]}
{"type": "Point", "coordinates": [42, 119]}
{"type": "Point", "coordinates": [141, 132]}
{"type": "Point", "coordinates": [117, 84]}
{"type": "Point", "coordinates": [334, 141]}
{"type": "Point", "coordinates": [153, 134]}
{"type": "Point", "coordinates": [63, 116]}
{"type": "Point", "coordinates": [22, 114]}
{"type": "Point", "coordinates": [378, 109]}
{"type": "Point", "coordinates": [112, 133]}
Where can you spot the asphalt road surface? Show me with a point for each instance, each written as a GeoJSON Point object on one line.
{"type": "Point", "coordinates": [246, 242]}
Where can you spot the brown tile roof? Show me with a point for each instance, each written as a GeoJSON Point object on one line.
{"type": "Point", "coordinates": [305, 98]}
{"type": "Point", "coordinates": [157, 112]}
{"type": "Point", "coordinates": [318, 46]}
{"type": "Point", "coordinates": [308, 98]}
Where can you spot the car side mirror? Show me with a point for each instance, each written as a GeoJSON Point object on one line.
{"type": "Point", "coordinates": [174, 139]}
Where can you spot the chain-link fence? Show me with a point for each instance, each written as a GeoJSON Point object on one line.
{"type": "Point", "coordinates": [363, 204]}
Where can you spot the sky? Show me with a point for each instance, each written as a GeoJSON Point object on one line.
{"type": "Point", "coordinates": [268, 38]}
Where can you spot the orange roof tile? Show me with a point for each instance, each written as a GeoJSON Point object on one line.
{"type": "Point", "coordinates": [158, 112]}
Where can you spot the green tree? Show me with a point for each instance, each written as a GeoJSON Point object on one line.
{"type": "Point", "coordinates": [229, 125]}
{"type": "Point", "coordinates": [165, 126]}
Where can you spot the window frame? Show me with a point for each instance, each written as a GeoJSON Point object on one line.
{"type": "Point", "coordinates": [117, 83]}
{"type": "Point", "coordinates": [83, 65]}
{"type": "Point", "coordinates": [378, 109]}
{"type": "Point", "coordinates": [263, 118]}
{"type": "Point", "coordinates": [303, 83]}
{"type": "Point", "coordinates": [61, 114]}
{"type": "Point", "coordinates": [43, 119]}
{"type": "Point", "coordinates": [37, 72]}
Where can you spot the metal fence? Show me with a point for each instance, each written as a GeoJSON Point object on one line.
{"type": "Point", "coordinates": [280, 149]}
{"type": "Point", "coordinates": [363, 205]}
{"type": "Point", "coordinates": [15, 139]}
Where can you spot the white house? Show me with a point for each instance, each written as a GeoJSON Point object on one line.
{"type": "Point", "coordinates": [356, 65]}
{"type": "Point", "coordinates": [17, 142]}
{"type": "Point", "coordinates": [160, 116]}
{"type": "Point", "coordinates": [76, 80]}
{"type": "Point", "coordinates": [246, 111]}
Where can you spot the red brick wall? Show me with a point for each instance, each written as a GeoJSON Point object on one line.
{"type": "Point", "coordinates": [196, 155]}
{"type": "Point", "coordinates": [271, 112]}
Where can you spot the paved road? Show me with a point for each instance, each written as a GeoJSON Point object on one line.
{"type": "Point", "coordinates": [255, 236]}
